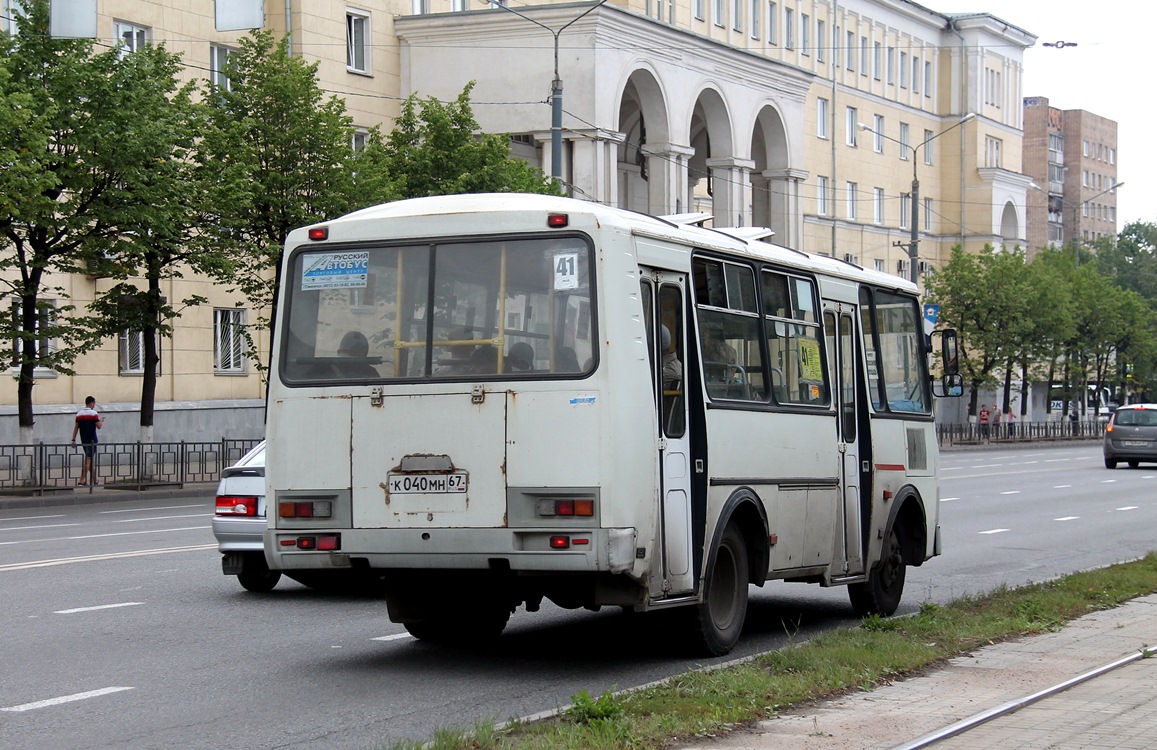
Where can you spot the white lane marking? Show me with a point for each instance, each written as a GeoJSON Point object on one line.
{"type": "Point", "coordinates": [951, 468]}
{"type": "Point", "coordinates": [163, 507]}
{"type": "Point", "coordinates": [1061, 486]}
{"type": "Point", "coordinates": [1129, 507]}
{"type": "Point", "coordinates": [1067, 518]}
{"type": "Point", "coordinates": [101, 536]}
{"type": "Point", "coordinates": [66, 699]}
{"type": "Point", "coordinates": [394, 637]}
{"type": "Point", "coordinates": [33, 518]}
{"type": "Point", "coordinates": [165, 518]}
{"type": "Point", "coordinates": [948, 499]}
{"type": "Point", "coordinates": [1011, 492]}
{"type": "Point", "coordinates": [1108, 481]}
{"type": "Point", "coordinates": [41, 526]}
{"type": "Point", "coordinates": [93, 609]}
{"type": "Point", "coordinates": [96, 558]}
{"type": "Point", "coordinates": [986, 466]}
{"type": "Point", "coordinates": [1055, 460]}
{"type": "Point", "coordinates": [1149, 476]}
{"type": "Point", "coordinates": [993, 531]}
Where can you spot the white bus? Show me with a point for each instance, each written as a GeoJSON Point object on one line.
{"type": "Point", "coordinates": [481, 401]}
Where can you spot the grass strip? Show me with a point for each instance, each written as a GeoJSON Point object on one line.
{"type": "Point", "coordinates": [708, 702]}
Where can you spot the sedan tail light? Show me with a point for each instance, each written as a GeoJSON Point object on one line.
{"type": "Point", "coordinates": [236, 505]}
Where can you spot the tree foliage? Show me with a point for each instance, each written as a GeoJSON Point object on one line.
{"type": "Point", "coordinates": [68, 122]}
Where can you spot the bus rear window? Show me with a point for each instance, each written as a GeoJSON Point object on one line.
{"type": "Point", "coordinates": [512, 308]}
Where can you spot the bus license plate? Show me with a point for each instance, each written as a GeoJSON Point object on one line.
{"type": "Point", "coordinates": [427, 484]}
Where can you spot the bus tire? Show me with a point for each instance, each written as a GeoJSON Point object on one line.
{"type": "Point", "coordinates": [880, 594]}
{"type": "Point", "coordinates": [255, 574]}
{"type": "Point", "coordinates": [474, 628]}
{"type": "Point", "coordinates": [719, 618]}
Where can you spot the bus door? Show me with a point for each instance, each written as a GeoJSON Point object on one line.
{"type": "Point", "coordinates": [663, 294]}
{"type": "Point", "coordinates": [840, 327]}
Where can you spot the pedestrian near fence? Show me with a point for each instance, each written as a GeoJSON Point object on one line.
{"type": "Point", "coordinates": [88, 421]}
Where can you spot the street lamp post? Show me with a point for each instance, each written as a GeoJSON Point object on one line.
{"type": "Point", "coordinates": [914, 236]}
{"type": "Point", "coordinates": [555, 86]}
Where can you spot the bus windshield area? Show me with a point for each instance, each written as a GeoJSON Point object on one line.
{"type": "Point", "coordinates": [511, 308]}
{"type": "Point", "coordinates": [897, 376]}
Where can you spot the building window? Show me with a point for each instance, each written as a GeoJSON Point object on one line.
{"type": "Point", "coordinates": [40, 344]}
{"type": "Point", "coordinates": [877, 61]}
{"type": "Point", "coordinates": [992, 90]}
{"type": "Point", "coordinates": [788, 28]}
{"type": "Point", "coordinates": [821, 40]}
{"type": "Point", "coordinates": [891, 66]}
{"type": "Point", "coordinates": [771, 23]}
{"type": "Point", "coordinates": [905, 209]}
{"type": "Point", "coordinates": [927, 78]}
{"type": "Point", "coordinates": [915, 75]}
{"type": "Point", "coordinates": [903, 70]}
{"type": "Point", "coordinates": [129, 36]}
{"type": "Point", "coordinates": [131, 353]}
{"type": "Point", "coordinates": [878, 205]}
{"type": "Point", "coordinates": [880, 266]}
{"type": "Point", "coordinates": [992, 152]}
{"type": "Point", "coordinates": [805, 33]}
{"type": "Point", "coordinates": [421, 7]}
{"type": "Point", "coordinates": [864, 56]}
{"type": "Point", "coordinates": [1084, 148]}
{"type": "Point", "coordinates": [700, 10]}
{"type": "Point", "coordinates": [927, 214]}
{"type": "Point", "coordinates": [851, 50]}
{"type": "Point", "coordinates": [229, 340]}
{"type": "Point", "coordinates": [1113, 156]}
{"type": "Point", "coordinates": [878, 134]}
{"type": "Point", "coordinates": [218, 58]}
{"type": "Point", "coordinates": [736, 14]}
{"type": "Point", "coordinates": [853, 119]}
{"type": "Point", "coordinates": [927, 144]}
{"type": "Point", "coordinates": [358, 139]}
{"type": "Point", "coordinates": [755, 24]}
{"type": "Point", "coordinates": [357, 41]}
{"type": "Point", "coordinates": [904, 144]}
{"type": "Point", "coordinates": [717, 11]}
{"type": "Point", "coordinates": [823, 115]}
{"type": "Point", "coordinates": [822, 188]}
{"type": "Point", "coordinates": [853, 188]}
{"type": "Point", "coordinates": [458, 6]}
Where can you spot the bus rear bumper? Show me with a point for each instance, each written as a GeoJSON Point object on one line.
{"type": "Point", "coordinates": [530, 550]}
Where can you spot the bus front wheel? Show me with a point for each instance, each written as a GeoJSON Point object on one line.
{"type": "Point", "coordinates": [719, 618]}
{"type": "Point", "coordinates": [880, 594]}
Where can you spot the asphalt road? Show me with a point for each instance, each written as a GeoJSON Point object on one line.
{"type": "Point", "coordinates": [120, 631]}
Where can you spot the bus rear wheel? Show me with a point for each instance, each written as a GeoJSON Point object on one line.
{"type": "Point", "coordinates": [483, 625]}
{"type": "Point", "coordinates": [255, 574]}
{"type": "Point", "coordinates": [718, 620]}
{"type": "Point", "coordinates": [880, 594]}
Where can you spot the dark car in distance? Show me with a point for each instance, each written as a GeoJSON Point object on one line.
{"type": "Point", "coordinates": [1131, 436]}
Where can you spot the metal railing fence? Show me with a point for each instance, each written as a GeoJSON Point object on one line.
{"type": "Point", "coordinates": [130, 466]}
{"type": "Point", "coordinates": [1011, 432]}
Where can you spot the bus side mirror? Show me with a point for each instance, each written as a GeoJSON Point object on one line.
{"type": "Point", "coordinates": [952, 385]}
{"type": "Point", "coordinates": [949, 352]}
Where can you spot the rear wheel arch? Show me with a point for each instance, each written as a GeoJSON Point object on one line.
{"type": "Point", "coordinates": [746, 510]}
{"type": "Point", "coordinates": [910, 521]}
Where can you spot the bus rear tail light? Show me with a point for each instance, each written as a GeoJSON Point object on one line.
{"type": "Point", "coordinates": [236, 505]}
{"type": "Point", "coordinates": [557, 221]}
{"type": "Point", "coordinates": [584, 507]}
{"type": "Point", "coordinates": [319, 233]}
{"type": "Point", "coordinates": [560, 542]}
{"type": "Point", "coordinates": [322, 543]}
{"type": "Point", "coordinates": [305, 509]}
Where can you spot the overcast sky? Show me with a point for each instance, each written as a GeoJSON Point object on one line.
{"type": "Point", "coordinates": [1107, 73]}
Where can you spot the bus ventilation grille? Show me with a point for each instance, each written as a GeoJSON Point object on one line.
{"type": "Point", "coordinates": [917, 451]}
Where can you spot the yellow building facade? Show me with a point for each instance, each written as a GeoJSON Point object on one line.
{"type": "Point", "coordinates": [811, 117]}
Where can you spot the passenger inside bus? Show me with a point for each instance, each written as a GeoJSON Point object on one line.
{"type": "Point", "coordinates": [355, 348]}
{"type": "Point", "coordinates": [672, 367]}
{"type": "Point", "coordinates": [484, 361]}
{"type": "Point", "coordinates": [520, 358]}
{"type": "Point", "coordinates": [566, 360]}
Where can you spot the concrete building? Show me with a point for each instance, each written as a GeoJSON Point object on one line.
{"type": "Point", "coordinates": [812, 117]}
{"type": "Point", "coordinates": [1071, 155]}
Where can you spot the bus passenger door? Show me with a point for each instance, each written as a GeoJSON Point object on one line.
{"type": "Point", "coordinates": [840, 327]}
{"type": "Point", "coordinates": [666, 327]}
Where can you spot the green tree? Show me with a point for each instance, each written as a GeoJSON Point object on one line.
{"type": "Point", "coordinates": [985, 298]}
{"type": "Point", "coordinates": [276, 156]}
{"type": "Point", "coordinates": [67, 116]}
{"type": "Point", "coordinates": [435, 149]}
{"type": "Point", "coordinates": [160, 205]}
